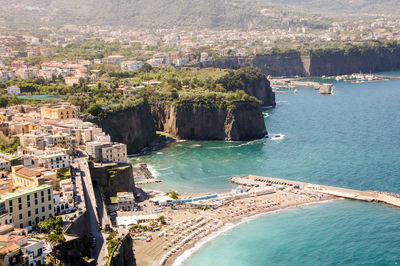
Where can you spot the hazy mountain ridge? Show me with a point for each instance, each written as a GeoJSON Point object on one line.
{"type": "Point", "coordinates": [353, 7]}
{"type": "Point", "coordinates": [243, 14]}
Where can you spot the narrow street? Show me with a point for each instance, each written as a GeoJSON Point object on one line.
{"type": "Point", "coordinates": [95, 212]}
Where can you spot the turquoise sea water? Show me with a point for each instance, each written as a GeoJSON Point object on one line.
{"type": "Point", "coordinates": [349, 139]}
{"type": "Point", "coordinates": [338, 233]}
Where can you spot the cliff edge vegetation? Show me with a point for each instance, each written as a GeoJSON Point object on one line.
{"type": "Point", "coordinates": [186, 106]}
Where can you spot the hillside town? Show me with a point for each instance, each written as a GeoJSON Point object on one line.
{"type": "Point", "coordinates": [79, 51]}
{"type": "Point", "coordinates": [78, 101]}
{"type": "Point", "coordinates": [37, 185]}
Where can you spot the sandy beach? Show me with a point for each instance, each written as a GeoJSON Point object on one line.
{"type": "Point", "coordinates": [192, 222]}
{"type": "Point", "coordinates": [186, 227]}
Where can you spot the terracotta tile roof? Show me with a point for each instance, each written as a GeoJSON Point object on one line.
{"type": "Point", "coordinates": [28, 172]}
{"type": "Point", "coordinates": [9, 248]}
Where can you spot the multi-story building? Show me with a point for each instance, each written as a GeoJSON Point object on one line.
{"type": "Point", "coordinates": [33, 51]}
{"type": "Point", "coordinates": [125, 200]}
{"type": "Point", "coordinates": [5, 217]}
{"type": "Point", "coordinates": [34, 140]}
{"type": "Point", "coordinates": [54, 161]}
{"type": "Point", "coordinates": [93, 149]}
{"type": "Point", "coordinates": [59, 112]}
{"type": "Point", "coordinates": [29, 206]}
{"type": "Point", "coordinates": [13, 90]}
{"type": "Point", "coordinates": [114, 59]}
{"type": "Point", "coordinates": [6, 185]}
{"type": "Point", "coordinates": [63, 140]}
{"type": "Point", "coordinates": [32, 177]}
{"type": "Point", "coordinates": [131, 65]}
{"type": "Point", "coordinates": [11, 254]}
{"type": "Point", "coordinates": [114, 152]}
{"type": "Point", "coordinates": [17, 128]}
{"type": "Point", "coordinates": [31, 249]}
{"type": "Point", "coordinates": [5, 164]}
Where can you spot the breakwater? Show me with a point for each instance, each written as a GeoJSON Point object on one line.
{"type": "Point", "coordinates": [369, 196]}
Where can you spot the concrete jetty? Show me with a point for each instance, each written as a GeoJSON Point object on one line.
{"type": "Point", "coordinates": [387, 77]}
{"type": "Point", "coordinates": [369, 196]}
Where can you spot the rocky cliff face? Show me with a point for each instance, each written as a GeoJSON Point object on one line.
{"type": "Point", "coordinates": [134, 127]}
{"type": "Point", "coordinates": [335, 62]}
{"type": "Point", "coordinates": [244, 122]}
{"type": "Point", "coordinates": [262, 90]}
{"type": "Point", "coordinates": [124, 254]}
{"type": "Point", "coordinates": [113, 177]}
{"type": "Point", "coordinates": [287, 64]}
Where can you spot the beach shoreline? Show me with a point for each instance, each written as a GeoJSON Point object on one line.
{"type": "Point", "coordinates": [196, 246]}
{"type": "Point", "coordinates": [212, 221]}
{"type": "Point", "coordinates": [196, 219]}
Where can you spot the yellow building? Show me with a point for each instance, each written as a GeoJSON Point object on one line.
{"type": "Point", "coordinates": [59, 112]}
{"type": "Point", "coordinates": [22, 127]}
{"type": "Point", "coordinates": [64, 141]}
{"type": "Point", "coordinates": [29, 206]}
{"type": "Point", "coordinates": [32, 177]}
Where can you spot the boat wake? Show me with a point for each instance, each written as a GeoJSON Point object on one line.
{"type": "Point", "coordinates": [276, 136]}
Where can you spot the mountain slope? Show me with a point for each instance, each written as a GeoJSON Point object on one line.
{"type": "Point", "coordinates": [243, 14]}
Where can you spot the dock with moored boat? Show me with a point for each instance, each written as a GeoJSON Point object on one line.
{"type": "Point", "coordinates": [291, 83]}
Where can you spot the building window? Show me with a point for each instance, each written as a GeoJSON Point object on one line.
{"type": "Point", "coordinates": [35, 195]}
{"type": "Point", "coordinates": [21, 226]}
{"type": "Point", "coordinates": [29, 223]}
{"type": "Point", "coordinates": [48, 191]}
{"type": "Point", "coordinates": [49, 207]}
{"type": "Point", "coordinates": [19, 206]}
{"type": "Point", "coordinates": [36, 202]}
{"type": "Point", "coordinates": [28, 204]}
{"type": "Point", "coordinates": [20, 216]}
{"type": "Point", "coordinates": [10, 202]}
{"type": "Point", "coordinates": [29, 213]}
{"type": "Point", "coordinates": [28, 197]}
{"type": "Point", "coordinates": [11, 210]}
{"type": "Point", "coordinates": [36, 211]}
{"type": "Point", "coordinates": [19, 200]}
{"type": "Point", "coordinates": [42, 193]}
{"type": "Point", "coordinates": [49, 197]}
{"type": "Point", "coordinates": [42, 199]}
{"type": "Point", "coordinates": [43, 218]}
{"type": "Point", "coordinates": [43, 209]}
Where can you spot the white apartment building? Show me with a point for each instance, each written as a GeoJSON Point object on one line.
{"type": "Point", "coordinates": [125, 200]}
{"type": "Point", "coordinates": [13, 90]}
{"type": "Point", "coordinates": [131, 65]}
{"type": "Point", "coordinates": [114, 152]}
{"type": "Point", "coordinates": [54, 161]}
{"type": "Point", "coordinates": [93, 149]}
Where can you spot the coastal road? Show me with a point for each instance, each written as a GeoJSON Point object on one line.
{"type": "Point", "coordinates": [93, 211]}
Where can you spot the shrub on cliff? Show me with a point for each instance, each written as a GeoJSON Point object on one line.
{"type": "Point", "coordinates": [240, 79]}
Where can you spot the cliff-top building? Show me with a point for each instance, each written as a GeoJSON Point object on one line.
{"type": "Point", "coordinates": [59, 112]}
